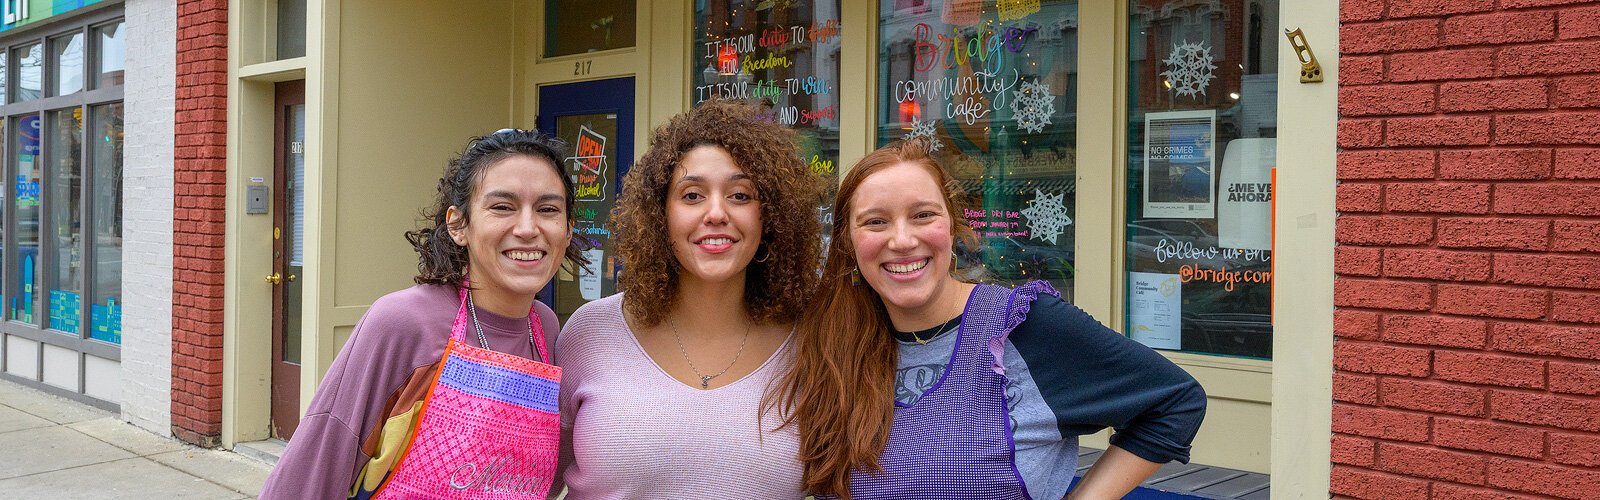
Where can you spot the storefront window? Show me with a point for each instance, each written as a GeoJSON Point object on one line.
{"type": "Point", "coordinates": [66, 63]}
{"type": "Point", "coordinates": [785, 54]}
{"type": "Point", "coordinates": [580, 26]}
{"type": "Point", "coordinates": [64, 165]}
{"type": "Point", "coordinates": [30, 71]}
{"type": "Point", "coordinates": [5, 184]}
{"type": "Point", "coordinates": [105, 313]}
{"type": "Point", "coordinates": [1202, 111]}
{"type": "Point", "coordinates": [25, 213]}
{"type": "Point", "coordinates": [4, 77]}
{"type": "Point", "coordinates": [110, 56]}
{"type": "Point", "coordinates": [995, 85]}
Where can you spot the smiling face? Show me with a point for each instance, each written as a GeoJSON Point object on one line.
{"type": "Point", "coordinates": [516, 232]}
{"type": "Point", "coordinates": [713, 216]}
{"type": "Point", "coordinates": [900, 229]}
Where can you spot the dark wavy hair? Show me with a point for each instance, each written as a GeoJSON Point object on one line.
{"type": "Point", "coordinates": [440, 261]}
{"type": "Point", "coordinates": [775, 290]}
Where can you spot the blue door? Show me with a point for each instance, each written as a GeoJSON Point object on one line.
{"type": "Point", "coordinates": [596, 121]}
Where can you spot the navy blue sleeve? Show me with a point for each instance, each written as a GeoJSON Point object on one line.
{"type": "Point", "coordinates": [1093, 377]}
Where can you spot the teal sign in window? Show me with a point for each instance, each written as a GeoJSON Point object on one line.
{"type": "Point", "coordinates": [18, 13]}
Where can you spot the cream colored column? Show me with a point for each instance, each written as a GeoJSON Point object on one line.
{"type": "Point", "coordinates": [1302, 387]}
{"type": "Point", "coordinates": [1102, 82]}
{"type": "Point", "coordinates": [858, 84]}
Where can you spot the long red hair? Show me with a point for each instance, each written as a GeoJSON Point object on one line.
{"type": "Point", "coordinates": [840, 391]}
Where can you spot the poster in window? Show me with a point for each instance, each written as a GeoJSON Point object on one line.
{"type": "Point", "coordinates": [1179, 164]}
{"type": "Point", "coordinates": [1155, 309]}
{"type": "Point", "coordinates": [1244, 205]}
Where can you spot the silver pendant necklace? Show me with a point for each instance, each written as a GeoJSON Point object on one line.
{"type": "Point", "coordinates": [705, 380]}
{"type": "Point", "coordinates": [483, 341]}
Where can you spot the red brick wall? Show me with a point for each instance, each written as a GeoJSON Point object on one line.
{"type": "Point", "coordinates": [198, 218]}
{"type": "Point", "coordinates": [1467, 358]}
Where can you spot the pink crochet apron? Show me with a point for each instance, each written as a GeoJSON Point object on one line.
{"type": "Point", "coordinates": [489, 428]}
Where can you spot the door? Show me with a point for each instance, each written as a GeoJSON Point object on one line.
{"type": "Point", "coordinates": [596, 120]}
{"type": "Point", "coordinates": [288, 253]}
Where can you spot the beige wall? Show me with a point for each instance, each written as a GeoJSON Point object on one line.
{"type": "Point", "coordinates": [393, 90]}
{"type": "Point", "coordinates": [420, 79]}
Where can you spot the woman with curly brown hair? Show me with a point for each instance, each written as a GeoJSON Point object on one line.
{"type": "Point", "coordinates": [718, 232]}
{"type": "Point", "coordinates": [499, 229]}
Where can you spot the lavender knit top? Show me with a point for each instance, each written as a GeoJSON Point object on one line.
{"type": "Point", "coordinates": [632, 431]}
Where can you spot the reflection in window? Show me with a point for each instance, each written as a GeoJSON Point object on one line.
{"type": "Point", "coordinates": [291, 29]}
{"type": "Point", "coordinates": [1202, 111]}
{"type": "Point", "coordinates": [579, 26]}
{"type": "Point", "coordinates": [25, 214]}
{"type": "Point", "coordinates": [996, 86]}
{"type": "Point", "coordinates": [111, 55]}
{"type": "Point", "coordinates": [66, 63]}
{"type": "Point", "coordinates": [30, 71]}
{"type": "Point", "coordinates": [64, 165]}
{"type": "Point", "coordinates": [5, 76]}
{"type": "Point", "coordinates": [105, 312]}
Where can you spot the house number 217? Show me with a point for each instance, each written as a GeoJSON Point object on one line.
{"type": "Point", "coordinates": [581, 68]}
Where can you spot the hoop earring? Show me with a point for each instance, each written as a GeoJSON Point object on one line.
{"type": "Point", "coordinates": [764, 258]}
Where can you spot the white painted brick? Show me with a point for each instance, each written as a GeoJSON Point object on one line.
{"type": "Point", "coordinates": [147, 219]}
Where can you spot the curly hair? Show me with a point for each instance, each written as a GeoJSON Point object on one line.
{"type": "Point", "coordinates": [775, 290]}
{"type": "Point", "coordinates": [440, 261]}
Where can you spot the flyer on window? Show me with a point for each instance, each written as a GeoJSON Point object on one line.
{"type": "Point", "coordinates": [1155, 309]}
{"type": "Point", "coordinates": [1180, 164]}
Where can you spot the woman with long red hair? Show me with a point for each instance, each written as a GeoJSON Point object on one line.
{"type": "Point", "coordinates": [910, 383]}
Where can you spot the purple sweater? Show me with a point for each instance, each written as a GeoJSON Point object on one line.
{"type": "Point", "coordinates": [401, 332]}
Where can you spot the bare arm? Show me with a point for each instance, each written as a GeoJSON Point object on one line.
{"type": "Point", "coordinates": [1114, 475]}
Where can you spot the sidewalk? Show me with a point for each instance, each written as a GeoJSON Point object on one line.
{"type": "Point", "coordinates": [54, 448]}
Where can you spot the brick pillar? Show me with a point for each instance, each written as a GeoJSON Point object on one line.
{"type": "Point", "coordinates": [1467, 350]}
{"type": "Point", "coordinates": [201, 124]}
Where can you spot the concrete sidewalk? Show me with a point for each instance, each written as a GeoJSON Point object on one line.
{"type": "Point", "coordinates": [55, 448]}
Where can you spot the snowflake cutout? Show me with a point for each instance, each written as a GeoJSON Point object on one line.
{"type": "Point", "coordinates": [921, 128]}
{"type": "Point", "coordinates": [1189, 69]}
{"type": "Point", "coordinates": [1032, 105]}
{"type": "Point", "coordinates": [1047, 216]}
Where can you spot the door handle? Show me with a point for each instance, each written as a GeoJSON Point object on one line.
{"type": "Point", "coordinates": [290, 278]}
{"type": "Point", "coordinates": [274, 278]}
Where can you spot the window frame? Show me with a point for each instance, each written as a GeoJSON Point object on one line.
{"type": "Point", "coordinates": [85, 101]}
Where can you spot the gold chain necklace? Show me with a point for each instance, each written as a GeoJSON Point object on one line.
{"type": "Point", "coordinates": [937, 332]}
{"type": "Point", "coordinates": [919, 339]}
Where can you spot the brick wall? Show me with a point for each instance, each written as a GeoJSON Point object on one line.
{"type": "Point", "coordinates": [198, 220]}
{"type": "Point", "coordinates": [1467, 358]}
{"type": "Point", "coordinates": [147, 181]}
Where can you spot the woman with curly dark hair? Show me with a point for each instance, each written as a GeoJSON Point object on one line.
{"type": "Point", "coordinates": [499, 229]}
{"type": "Point", "coordinates": [718, 233]}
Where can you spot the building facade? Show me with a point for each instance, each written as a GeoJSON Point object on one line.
{"type": "Point", "coordinates": [1419, 176]}
{"type": "Point", "coordinates": [88, 113]}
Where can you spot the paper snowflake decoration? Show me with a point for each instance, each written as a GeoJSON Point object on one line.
{"type": "Point", "coordinates": [921, 128]}
{"type": "Point", "coordinates": [1189, 69]}
{"type": "Point", "coordinates": [1031, 105]}
{"type": "Point", "coordinates": [1047, 216]}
